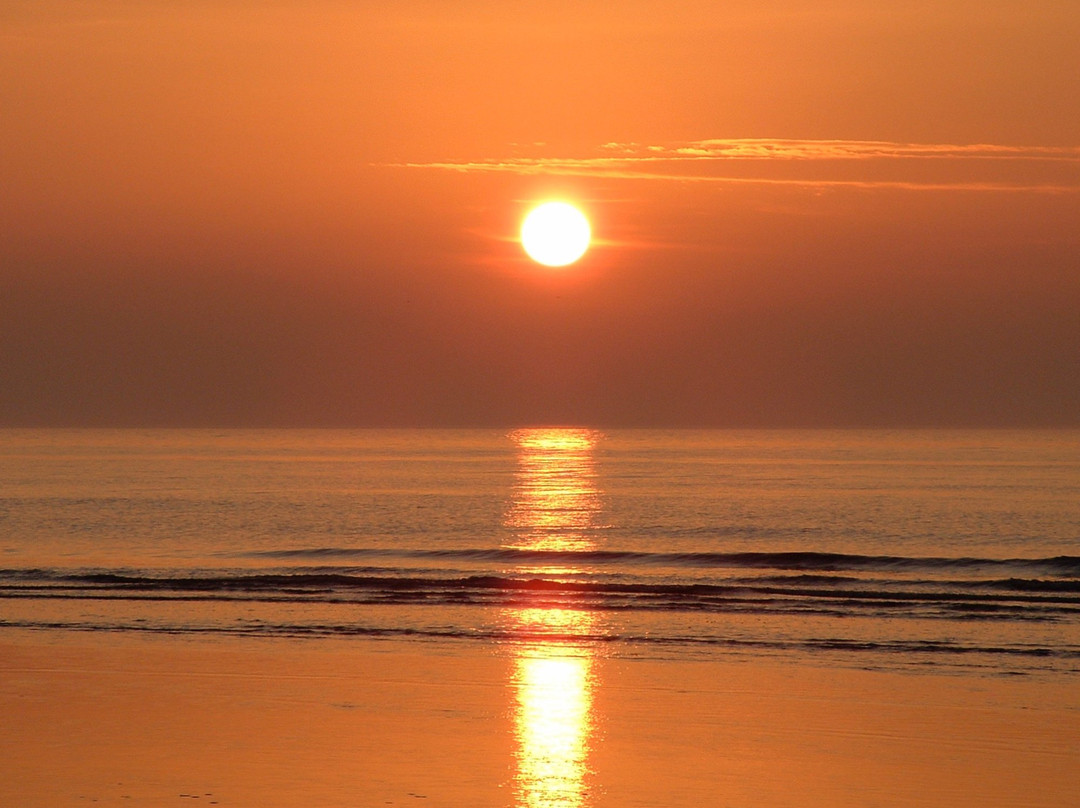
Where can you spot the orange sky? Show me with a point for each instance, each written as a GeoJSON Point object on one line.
{"type": "Point", "coordinates": [304, 213]}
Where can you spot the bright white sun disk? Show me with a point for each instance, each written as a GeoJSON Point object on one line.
{"type": "Point", "coordinates": [555, 234]}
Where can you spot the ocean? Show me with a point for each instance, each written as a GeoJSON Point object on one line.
{"type": "Point", "coordinates": [897, 550]}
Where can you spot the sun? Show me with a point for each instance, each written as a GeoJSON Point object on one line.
{"type": "Point", "coordinates": [555, 234]}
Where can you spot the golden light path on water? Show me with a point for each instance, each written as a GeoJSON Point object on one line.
{"type": "Point", "coordinates": [556, 504]}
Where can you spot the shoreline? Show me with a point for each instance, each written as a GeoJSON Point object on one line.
{"type": "Point", "coordinates": [158, 720]}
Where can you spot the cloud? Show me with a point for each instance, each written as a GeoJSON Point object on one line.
{"type": "Point", "coordinates": [781, 149]}
{"type": "Point", "coordinates": [865, 164]}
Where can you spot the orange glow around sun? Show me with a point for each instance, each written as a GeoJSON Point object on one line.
{"type": "Point", "coordinates": [555, 234]}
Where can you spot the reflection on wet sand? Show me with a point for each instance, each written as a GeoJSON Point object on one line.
{"type": "Point", "coordinates": [555, 507]}
{"type": "Point", "coordinates": [552, 716]}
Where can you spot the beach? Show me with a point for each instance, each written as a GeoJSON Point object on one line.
{"type": "Point", "coordinates": [158, 721]}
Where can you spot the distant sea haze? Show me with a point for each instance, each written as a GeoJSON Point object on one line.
{"type": "Point", "coordinates": [894, 549]}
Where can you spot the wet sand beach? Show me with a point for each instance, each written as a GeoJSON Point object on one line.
{"type": "Point", "coordinates": [159, 721]}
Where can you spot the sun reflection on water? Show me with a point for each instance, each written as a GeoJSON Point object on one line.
{"type": "Point", "coordinates": [556, 502]}
{"type": "Point", "coordinates": [555, 508]}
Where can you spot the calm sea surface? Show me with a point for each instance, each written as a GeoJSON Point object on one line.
{"type": "Point", "coordinates": [883, 549]}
